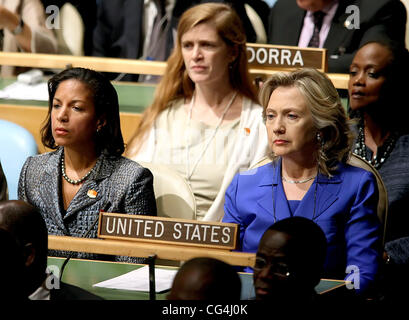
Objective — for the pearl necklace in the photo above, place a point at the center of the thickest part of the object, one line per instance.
(297, 181)
(69, 180)
(380, 157)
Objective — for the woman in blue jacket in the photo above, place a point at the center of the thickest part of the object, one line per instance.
(310, 140)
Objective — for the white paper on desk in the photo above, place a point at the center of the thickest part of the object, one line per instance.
(23, 91)
(138, 280)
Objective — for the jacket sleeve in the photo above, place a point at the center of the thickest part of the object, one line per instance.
(21, 191)
(231, 212)
(363, 236)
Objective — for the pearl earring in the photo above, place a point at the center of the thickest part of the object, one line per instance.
(320, 139)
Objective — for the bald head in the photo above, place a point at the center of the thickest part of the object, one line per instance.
(206, 279)
(290, 259)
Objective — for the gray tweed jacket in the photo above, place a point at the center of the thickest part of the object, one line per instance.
(122, 186)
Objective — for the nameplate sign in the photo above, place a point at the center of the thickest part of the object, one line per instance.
(167, 230)
(264, 56)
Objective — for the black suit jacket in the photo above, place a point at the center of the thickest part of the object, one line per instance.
(379, 19)
(118, 31)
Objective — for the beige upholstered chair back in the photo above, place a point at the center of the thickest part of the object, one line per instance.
(174, 197)
(257, 24)
(70, 35)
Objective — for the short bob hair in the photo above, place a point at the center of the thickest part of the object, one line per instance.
(329, 116)
(109, 139)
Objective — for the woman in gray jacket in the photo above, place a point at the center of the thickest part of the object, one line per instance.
(86, 173)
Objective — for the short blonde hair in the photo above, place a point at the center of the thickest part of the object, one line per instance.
(329, 116)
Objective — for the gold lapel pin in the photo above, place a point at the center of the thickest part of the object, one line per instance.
(247, 131)
(92, 194)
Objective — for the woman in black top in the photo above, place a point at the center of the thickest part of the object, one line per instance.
(377, 96)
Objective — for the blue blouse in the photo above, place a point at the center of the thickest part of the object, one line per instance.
(293, 205)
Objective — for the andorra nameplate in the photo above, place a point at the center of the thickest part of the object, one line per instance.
(264, 56)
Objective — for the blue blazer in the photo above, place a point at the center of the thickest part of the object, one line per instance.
(345, 209)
